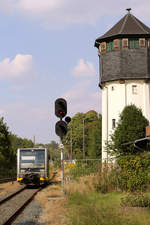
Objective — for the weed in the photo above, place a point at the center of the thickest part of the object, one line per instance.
(136, 200)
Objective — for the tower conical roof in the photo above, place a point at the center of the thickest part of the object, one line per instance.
(128, 26)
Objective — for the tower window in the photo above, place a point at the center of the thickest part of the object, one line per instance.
(125, 43)
(103, 47)
(99, 50)
(116, 44)
(113, 123)
(148, 43)
(136, 43)
(142, 42)
(133, 43)
(109, 46)
(112, 88)
(134, 89)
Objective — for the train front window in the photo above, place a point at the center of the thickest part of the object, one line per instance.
(32, 158)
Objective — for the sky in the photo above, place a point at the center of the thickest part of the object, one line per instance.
(47, 52)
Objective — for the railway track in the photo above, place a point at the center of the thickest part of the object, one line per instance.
(12, 206)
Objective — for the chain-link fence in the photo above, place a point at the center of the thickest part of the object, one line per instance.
(74, 169)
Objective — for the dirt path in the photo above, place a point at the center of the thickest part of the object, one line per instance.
(53, 203)
(6, 188)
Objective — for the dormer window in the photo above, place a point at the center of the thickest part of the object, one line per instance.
(142, 42)
(125, 43)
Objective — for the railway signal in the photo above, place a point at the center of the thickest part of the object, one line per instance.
(61, 111)
(60, 108)
(67, 119)
(61, 128)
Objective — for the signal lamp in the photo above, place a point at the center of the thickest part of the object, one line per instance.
(61, 128)
(60, 107)
(68, 119)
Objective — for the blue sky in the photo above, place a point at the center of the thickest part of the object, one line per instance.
(46, 52)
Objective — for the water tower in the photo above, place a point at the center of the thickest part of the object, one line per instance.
(124, 58)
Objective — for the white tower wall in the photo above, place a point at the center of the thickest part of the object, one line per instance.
(117, 95)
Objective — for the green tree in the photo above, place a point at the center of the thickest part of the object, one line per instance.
(88, 124)
(18, 142)
(53, 150)
(5, 142)
(133, 163)
(130, 127)
(95, 139)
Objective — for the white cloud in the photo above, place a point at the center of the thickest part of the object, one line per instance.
(19, 67)
(77, 91)
(54, 13)
(83, 96)
(86, 102)
(84, 69)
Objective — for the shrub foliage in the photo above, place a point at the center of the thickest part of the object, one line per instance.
(134, 163)
(130, 127)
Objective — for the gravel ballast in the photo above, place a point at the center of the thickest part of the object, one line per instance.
(30, 215)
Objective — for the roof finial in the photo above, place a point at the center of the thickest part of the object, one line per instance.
(128, 9)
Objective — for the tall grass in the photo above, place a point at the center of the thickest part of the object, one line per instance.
(100, 209)
(94, 200)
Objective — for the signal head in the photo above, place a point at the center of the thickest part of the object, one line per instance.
(61, 128)
(60, 107)
(67, 119)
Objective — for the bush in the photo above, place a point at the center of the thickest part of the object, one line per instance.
(130, 127)
(135, 200)
(134, 172)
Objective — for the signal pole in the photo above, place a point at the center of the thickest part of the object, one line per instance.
(83, 138)
(71, 143)
(61, 146)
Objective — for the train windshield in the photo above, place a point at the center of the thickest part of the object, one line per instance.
(31, 158)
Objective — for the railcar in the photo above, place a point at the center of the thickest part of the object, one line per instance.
(32, 166)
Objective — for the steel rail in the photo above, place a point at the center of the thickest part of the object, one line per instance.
(11, 195)
(14, 215)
